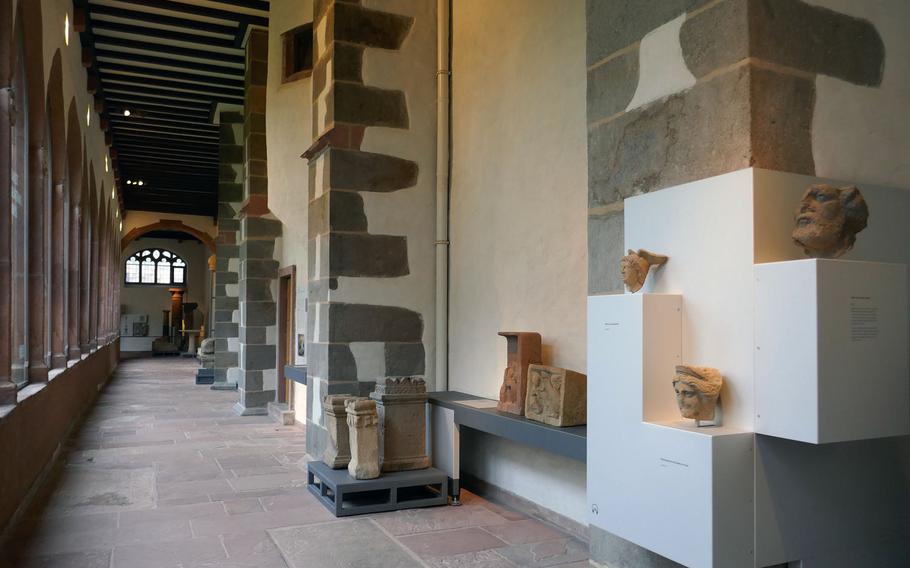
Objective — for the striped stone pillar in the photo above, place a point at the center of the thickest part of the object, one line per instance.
(370, 277)
(226, 302)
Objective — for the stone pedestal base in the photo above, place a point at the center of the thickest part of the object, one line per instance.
(337, 453)
(242, 410)
(363, 423)
(402, 408)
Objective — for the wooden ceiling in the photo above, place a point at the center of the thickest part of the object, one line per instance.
(169, 63)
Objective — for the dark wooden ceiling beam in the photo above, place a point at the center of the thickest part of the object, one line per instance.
(180, 86)
(130, 149)
(168, 93)
(103, 26)
(164, 20)
(143, 165)
(132, 70)
(260, 5)
(167, 62)
(172, 6)
(152, 139)
(120, 99)
(176, 158)
(182, 124)
(178, 207)
(175, 134)
(203, 54)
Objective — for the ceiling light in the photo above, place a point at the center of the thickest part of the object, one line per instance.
(88, 116)
(113, 192)
(121, 226)
(66, 29)
(107, 165)
(126, 112)
(141, 182)
(129, 182)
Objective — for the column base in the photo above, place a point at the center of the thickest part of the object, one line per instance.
(8, 392)
(241, 410)
(224, 386)
(38, 373)
(74, 353)
(58, 361)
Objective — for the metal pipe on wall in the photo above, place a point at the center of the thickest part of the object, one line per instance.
(443, 109)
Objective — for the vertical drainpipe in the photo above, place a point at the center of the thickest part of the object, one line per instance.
(443, 73)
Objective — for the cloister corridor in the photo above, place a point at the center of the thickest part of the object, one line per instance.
(162, 473)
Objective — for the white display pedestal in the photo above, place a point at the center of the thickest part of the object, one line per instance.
(653, 478)
(831, 361)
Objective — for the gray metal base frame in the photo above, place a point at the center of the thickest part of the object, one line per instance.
(344, 495)
(205, 376)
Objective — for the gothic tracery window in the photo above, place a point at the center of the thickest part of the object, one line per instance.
(155, 266)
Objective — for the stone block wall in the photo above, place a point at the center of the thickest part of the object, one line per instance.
(258, 375)
(371, 200)
(226, 307)
(681, 90)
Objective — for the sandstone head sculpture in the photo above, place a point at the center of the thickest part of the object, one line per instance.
(828, 219)
(636, 265)
(697, 390)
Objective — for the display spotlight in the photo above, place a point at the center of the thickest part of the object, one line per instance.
(127, 112)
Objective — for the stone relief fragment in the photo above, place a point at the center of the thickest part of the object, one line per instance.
(363, 425)
(401, 403)
(636, 265)
(697, 390)
(828, 219)
(556, 396)
(522, 349)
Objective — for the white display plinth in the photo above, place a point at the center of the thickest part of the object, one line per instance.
(831, 361)
(654, 478)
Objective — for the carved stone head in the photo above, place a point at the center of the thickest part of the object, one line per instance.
(636, 265)
(697, 389)
(828, 219)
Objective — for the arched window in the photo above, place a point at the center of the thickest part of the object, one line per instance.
(155, 266)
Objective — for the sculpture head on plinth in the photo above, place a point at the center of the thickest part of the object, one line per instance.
(636, 265)
(828, 219)
(697, 390)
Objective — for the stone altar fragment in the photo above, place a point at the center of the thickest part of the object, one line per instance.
(522, 349)
(363, 426)
(697, 390)
(338, 448)
(557, 397)
(401, 403)
(636, 265)
(828, 219)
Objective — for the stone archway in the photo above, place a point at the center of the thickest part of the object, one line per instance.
(168, 225)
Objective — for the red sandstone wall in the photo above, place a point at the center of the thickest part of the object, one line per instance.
(32, 432)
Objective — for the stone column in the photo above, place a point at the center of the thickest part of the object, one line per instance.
(7, 388)
(58, 298)
(85, 257)
(258, 377)
(370, 280)
(38, 276)
(402, 407)
(737, 88)
(363, 425)
(226, 303)
(75, 268)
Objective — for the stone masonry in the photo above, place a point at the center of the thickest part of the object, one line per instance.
(341, 246)
(747, 102)
(227, 269)
(258, 376)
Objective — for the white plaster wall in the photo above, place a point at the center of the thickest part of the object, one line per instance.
(152, 300)
(518, 216)
(860, 133)
(288, 135)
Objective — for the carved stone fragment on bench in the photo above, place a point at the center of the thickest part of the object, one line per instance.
(558, 397)
(522, 350)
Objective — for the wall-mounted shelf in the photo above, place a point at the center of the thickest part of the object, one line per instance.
(481, 414)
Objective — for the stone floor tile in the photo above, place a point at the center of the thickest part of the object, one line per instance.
(414, 521)
(174, 554)
(254, 548)
(482, 559)
(82, 559)
(453, 542)
(242, 506)
(343, 544)
(87, 490)
(526, 531)
(546, 554)
(172, 513)
(254, 482)
(238, 524)
(297, 500)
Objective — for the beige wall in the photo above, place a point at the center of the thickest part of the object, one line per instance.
(134, 219)
(518, 215)
(289, 133)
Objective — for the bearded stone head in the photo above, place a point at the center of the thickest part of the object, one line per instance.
(828, 219)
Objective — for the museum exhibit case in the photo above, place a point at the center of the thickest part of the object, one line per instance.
(813, 354)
